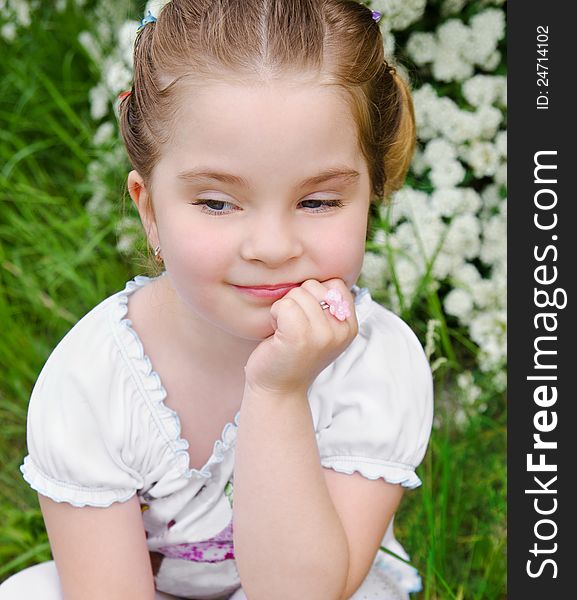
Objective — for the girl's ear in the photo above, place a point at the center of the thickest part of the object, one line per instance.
(141, 198)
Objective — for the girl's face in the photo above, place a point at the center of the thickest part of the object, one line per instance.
(261, 186)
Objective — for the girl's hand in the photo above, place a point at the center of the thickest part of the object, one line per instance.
(306, 339)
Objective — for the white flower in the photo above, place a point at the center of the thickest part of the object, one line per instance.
(380, 238)
(99, 100)
(103, 134)
(430, 236)
(501, 144)
(479, 48)
(488, 330)
(447, 201)
(467, 276)
(491, 197)
(453, 201)
(500, 381)
(459, 126)
(501, 174)
(441, 112)
(406, 202)
(104, 32)
(504, 95)
(459, 303)
(8, 31)
(483, 89)
(392, 212)
(88, 41)
(439, 150)
(431, 337)
(486, 29)
(399, 14)
(425, 102)
(98, 205)
(155, 6)
(492, 61)
(126, 39)
(127, 242)
(494, 248)
(486, 295)
(408, 276)
(489, 119)
(422, 47)
(447, 174)
(118, 77)
(453, 35)
(463, 237)
(450, 66)
(452, 6)
(418, 162)
(374, 269)
(21, 10)
(482, 157)
(471, 201)
(467, 385)
(490, 23)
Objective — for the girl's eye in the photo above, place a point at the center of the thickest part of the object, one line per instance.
(321, 205)
(214, 207)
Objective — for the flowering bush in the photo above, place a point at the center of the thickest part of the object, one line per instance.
(444, 234)
(437, 251)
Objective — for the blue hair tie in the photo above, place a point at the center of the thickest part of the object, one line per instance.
(150, 18)
(377, 15)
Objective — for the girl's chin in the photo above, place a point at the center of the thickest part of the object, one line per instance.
(256, 334)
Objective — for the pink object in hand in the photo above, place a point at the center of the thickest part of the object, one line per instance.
(337, 306)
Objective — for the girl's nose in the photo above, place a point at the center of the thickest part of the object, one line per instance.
(272, 240)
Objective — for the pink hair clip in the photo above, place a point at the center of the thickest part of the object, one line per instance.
(123, 95)
(377, 15)
(338, 307)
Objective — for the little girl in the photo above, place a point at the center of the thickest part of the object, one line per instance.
(244, 424)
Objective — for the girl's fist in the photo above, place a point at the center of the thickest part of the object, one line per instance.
(306, 338)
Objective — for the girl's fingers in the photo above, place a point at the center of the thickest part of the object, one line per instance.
(288, 317)
(318, 324)
(323, 321)
(322, 291)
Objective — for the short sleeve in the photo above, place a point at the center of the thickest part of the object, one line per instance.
(77, 422)
(374, 404)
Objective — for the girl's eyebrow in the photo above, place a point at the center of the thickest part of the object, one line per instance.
(339, 172)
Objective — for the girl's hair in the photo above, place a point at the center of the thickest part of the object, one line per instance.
(336, 42)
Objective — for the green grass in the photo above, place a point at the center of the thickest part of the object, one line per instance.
(55, 265)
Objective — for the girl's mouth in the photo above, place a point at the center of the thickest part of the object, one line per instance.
(267, 291)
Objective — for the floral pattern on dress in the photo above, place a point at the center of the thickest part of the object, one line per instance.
(213, 550)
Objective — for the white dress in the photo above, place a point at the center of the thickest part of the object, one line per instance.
(99, 432)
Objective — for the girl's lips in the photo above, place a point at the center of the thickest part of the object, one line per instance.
(274, 292)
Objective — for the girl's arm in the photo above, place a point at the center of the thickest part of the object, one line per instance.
(99, 552)
(288, 538)
(300, 532)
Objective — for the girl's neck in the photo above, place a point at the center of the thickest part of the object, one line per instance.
(208, 346)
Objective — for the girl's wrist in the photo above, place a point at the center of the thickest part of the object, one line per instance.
(252, 390)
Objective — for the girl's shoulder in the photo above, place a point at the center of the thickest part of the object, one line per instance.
(97, 369)
(92, 413)
(384, 338)
(98, 342)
